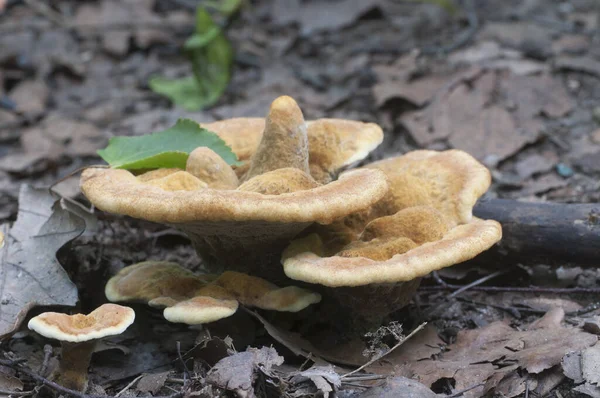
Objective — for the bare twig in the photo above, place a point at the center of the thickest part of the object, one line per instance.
(18, 365)
(476, 283)
(461, 392)
(377, 358)
(47, 355)
(515, 289)
(128, 386)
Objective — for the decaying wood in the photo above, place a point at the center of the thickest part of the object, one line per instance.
(551, 233)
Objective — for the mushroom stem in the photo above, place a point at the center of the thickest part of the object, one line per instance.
(284, 142)
(74, 363)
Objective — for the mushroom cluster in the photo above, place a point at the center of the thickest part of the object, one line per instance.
(196, 299)
(366, 236)
(242, 221)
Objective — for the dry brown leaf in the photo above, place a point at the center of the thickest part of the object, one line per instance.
(487, 354)
(238, 372)
(489, 114)
(399, 387)
(30, 96)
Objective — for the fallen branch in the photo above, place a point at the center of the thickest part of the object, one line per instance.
(551, 233)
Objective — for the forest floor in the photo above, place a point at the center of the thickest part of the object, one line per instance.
(514, 83)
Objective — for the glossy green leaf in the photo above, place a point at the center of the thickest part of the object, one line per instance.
(164, 149)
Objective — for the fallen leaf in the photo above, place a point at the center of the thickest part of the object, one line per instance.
(579, 64)
(536, 163)
(589, 163)
(543, 184)
(399, 387)
(590, 365)
(30, 274)
(30, 96)
(571, 44)
(315, 381)
(479, 354)
(529, 37)
(489, 114)
(152, 382)
(238, 372)
(320, 16)
(571, 365)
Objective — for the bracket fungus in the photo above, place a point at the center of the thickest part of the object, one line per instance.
(78, 335)
(196, 299)
(286, 185)
(374, 260)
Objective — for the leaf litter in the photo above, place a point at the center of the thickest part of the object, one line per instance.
(30, 274)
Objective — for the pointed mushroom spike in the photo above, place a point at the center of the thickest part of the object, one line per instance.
(199, 310)
(284, 142)
(210, 168)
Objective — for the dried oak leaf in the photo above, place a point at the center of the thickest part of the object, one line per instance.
(238, 372)
(30, 274)
(316, 381)
(479, 354)
(490, 114)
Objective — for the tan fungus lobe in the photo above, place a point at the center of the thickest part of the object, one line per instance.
(178, 181)
(199, 310)
(450, 181)
(150, 280)
(284, 141)
(459, 244)
(206, 297)
(106, 320)
(277, 182)
(207, 166)
(156, 174)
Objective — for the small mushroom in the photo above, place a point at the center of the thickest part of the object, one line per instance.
(78, 335)
(246, 228)
(374, 260)
(194, 299)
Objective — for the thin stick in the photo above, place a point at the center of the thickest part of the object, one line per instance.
(475, 283)
(461, 392)
(505, 289)
(16, 364)
(372, 361)
(128, 386)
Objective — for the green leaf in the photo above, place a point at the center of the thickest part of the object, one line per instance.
(211, 55)
(185, 92)
(168, 148)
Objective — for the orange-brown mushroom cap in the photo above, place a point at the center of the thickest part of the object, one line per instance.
(199, 310)
(106, 320)
(451, 181)
(120, 192)
(461, 243)
(150, 280)
(194, 299)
